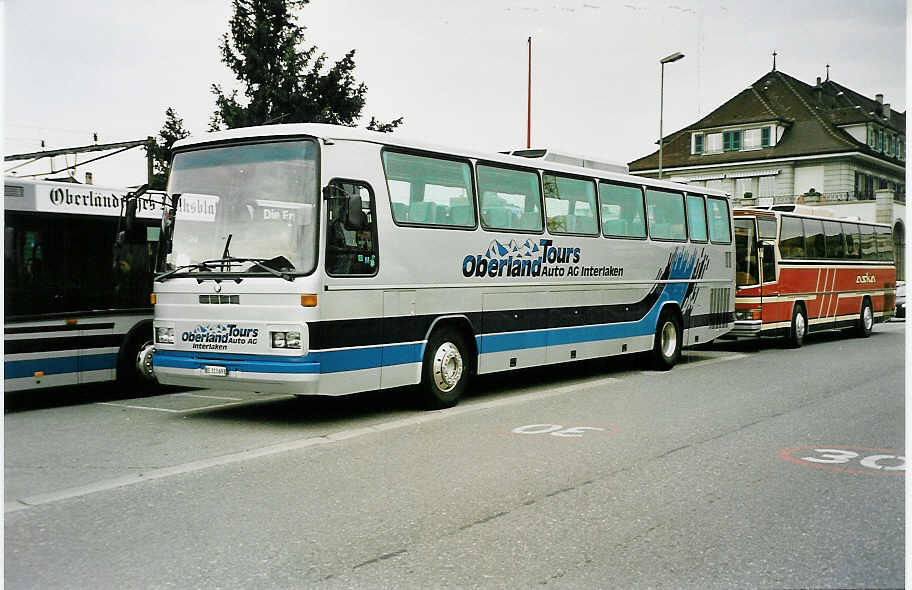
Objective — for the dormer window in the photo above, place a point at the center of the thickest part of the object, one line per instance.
(731, 141)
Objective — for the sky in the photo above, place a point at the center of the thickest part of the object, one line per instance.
(456, 71)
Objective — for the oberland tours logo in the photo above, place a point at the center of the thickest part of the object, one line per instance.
(219, 337)
(531, 258)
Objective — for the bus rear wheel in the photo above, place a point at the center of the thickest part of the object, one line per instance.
(446, 369)
(666, 350)
(798, 329)
(865, 320)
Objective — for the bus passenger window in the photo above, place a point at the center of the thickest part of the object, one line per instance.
(791, 240)
(835, 246)
(719, 221)
(853, 249)
(351, 249)
(623, 215)
(884, 243)
(816, 245)
(429, 191)
(510, 199)
(868, 245)
(570, 205)
(696, 218)
(666, 215)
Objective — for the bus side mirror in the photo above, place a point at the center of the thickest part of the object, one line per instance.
(130, 214)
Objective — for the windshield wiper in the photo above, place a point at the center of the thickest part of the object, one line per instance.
(187, 267)
(264, 263)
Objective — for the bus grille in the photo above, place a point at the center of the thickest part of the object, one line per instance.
(719, 313)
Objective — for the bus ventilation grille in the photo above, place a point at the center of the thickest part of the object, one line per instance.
(719, 312)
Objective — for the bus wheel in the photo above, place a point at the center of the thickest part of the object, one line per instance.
(798, 329)
(135, 369)
(446, 369)
(865, 320)
(668, 341)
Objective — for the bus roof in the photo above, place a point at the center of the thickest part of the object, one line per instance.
(799, 211)
(341, 133)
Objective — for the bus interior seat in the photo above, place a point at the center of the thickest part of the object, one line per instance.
(496, 217)
(422, 212)
(462, 215)
(530, 220)
(400, 212)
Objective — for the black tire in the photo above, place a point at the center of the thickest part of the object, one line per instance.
(669, 338)
(137, 351)
(865, 320)
(798, 329)
(447, 369)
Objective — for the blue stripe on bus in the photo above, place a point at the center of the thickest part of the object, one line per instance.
(334, 361)
(59, 365)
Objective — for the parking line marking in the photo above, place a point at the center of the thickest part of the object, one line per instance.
(132, 407)
(292, 445)
(703, 363)
(234, 399)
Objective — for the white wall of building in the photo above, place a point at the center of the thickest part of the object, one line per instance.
(807, 178)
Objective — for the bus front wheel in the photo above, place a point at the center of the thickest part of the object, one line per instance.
(666, 351)
(446, 369)
(798, 329)
(865, 320)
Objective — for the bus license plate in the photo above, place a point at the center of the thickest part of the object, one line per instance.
(216, 370)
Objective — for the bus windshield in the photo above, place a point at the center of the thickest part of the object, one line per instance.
(746, 272)
(253, 201)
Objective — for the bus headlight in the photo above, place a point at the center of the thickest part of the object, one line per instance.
(164, 335)
(285, 339)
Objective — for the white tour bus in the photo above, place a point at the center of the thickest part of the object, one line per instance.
(319, 259)
(76, 309)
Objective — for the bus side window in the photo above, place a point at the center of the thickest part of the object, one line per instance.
(351, 249)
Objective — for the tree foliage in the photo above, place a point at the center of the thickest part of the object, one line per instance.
(171, 131)
(283, 80)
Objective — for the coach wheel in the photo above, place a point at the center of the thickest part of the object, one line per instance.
(666, 349)
(865, 320)
(798, 329)
(446, 369)
(135, 369)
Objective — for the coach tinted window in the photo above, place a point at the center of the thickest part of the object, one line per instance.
(719, 221)
(868, 245)
(570, 205)
(623, 214)
(884, 243)
(510, 199)
(696, 218)
(429, 191)
(853, 248)
(835, 246)
(791, 238)
(665, 211)
(816, 242)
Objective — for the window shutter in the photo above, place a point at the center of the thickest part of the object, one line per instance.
(736, 140)
(765, 136)
(698, 143)
(726, 141)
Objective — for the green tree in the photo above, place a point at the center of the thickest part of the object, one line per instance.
(160, 150)
(284, 82)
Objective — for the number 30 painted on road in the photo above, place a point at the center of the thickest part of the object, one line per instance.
(836, 456)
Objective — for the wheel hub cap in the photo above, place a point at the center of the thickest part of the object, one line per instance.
(144, 360)
(868, 318)
(447, 366)
(669, 339)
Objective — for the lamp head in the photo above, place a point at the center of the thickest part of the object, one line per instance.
(673, 57)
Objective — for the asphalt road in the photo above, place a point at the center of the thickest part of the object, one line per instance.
(740, 468)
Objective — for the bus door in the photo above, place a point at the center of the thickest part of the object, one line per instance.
(352, 256)
(766, 237)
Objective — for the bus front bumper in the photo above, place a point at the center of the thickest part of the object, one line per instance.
(746, 329)
(291, 375)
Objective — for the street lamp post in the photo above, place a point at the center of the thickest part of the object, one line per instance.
(665, 60)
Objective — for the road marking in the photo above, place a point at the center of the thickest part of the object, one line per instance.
(292, 445)
(233, 399)
(138, 407)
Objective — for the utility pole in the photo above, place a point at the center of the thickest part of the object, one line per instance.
(529, 101)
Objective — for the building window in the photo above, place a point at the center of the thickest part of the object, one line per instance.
(752, 139)
(731, 141)
(902, 149)
(698, 143)
(765, 133)
(713, 143)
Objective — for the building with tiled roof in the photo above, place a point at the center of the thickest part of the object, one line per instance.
(783, 141)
